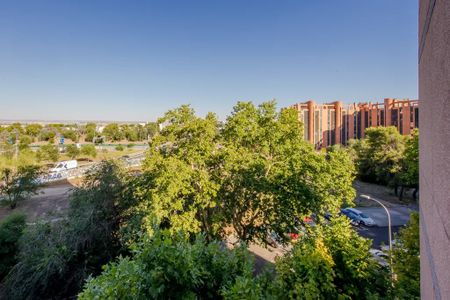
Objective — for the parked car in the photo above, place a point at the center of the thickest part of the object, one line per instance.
(354, 220)
(380, 257)
(358, 216)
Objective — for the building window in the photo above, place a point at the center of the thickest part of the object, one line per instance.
(394, 117)
(358, 125)
(381, 117)
(400, 127)
(333, 126)
(317, 128)
(306, 124)
(416, 117)
(366, 119)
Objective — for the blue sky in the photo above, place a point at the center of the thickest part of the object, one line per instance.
(134, 60)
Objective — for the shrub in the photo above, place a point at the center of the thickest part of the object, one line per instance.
(56, 258)
(11, 229)
(168, 267)
(119, 148)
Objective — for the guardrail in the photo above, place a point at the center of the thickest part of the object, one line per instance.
(129, 162)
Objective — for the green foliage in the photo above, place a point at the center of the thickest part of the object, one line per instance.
(120, 148)
(357, 275)
(409, 175)
(329, 262)
(56, 258)
(306, 272)
(180, 189)
(89, 151)
(11, 229)
(379, 154)
(48, 152)
(24, 142)
(406, 261)
(70, 134)
(47, 135)
(90, 131)
(271, 175)
(151, 129)
(18, 185)
(33, 129)
(72, 151)
(170, 267)
(257, 174)
(112, 132)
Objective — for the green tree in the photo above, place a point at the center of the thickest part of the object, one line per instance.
(90, 132)
(406, 261)
(19, 184)
(89, 151)
(151, 129)
(25, 141)
(56, 258)
(33, 130)
(48, 152)
(112, 132)
(71, 135)
(180, 189)
(72, 151)
(47, 135)
(379, 154)
(307, 272)
(170, 267)
(409, 173)
(11, 229)
(271, 176)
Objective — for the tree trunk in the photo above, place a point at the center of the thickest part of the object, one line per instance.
(396, 190)
(415, 193)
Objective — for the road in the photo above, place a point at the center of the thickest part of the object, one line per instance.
(379, 234)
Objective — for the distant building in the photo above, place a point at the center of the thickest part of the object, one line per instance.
(335, 123)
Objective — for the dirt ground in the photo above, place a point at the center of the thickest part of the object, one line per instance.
(50, 203)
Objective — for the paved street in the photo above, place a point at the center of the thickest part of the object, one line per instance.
(379, 234)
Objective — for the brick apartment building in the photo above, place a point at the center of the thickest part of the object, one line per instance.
(335, 123)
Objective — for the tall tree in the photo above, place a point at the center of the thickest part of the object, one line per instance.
(48, 152)
(180, 189)
(406, 257)
(112, 132)
(18, 185)
(272, 177)
(379, 154)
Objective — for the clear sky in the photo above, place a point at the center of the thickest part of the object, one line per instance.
(133, 60)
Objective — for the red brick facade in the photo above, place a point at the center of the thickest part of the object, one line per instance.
(335, 123)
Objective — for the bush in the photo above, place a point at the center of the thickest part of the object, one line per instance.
(119, 148)
(11, 229)
(48, 152)
(56, 258)
(89, 150)
(167, 267)
(72, 151)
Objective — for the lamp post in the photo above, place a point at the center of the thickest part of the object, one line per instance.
(389, 228)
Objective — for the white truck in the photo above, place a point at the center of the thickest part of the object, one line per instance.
(64, 166)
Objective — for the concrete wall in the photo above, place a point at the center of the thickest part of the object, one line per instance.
(434, 96)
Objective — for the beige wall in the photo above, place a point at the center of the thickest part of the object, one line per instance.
(434, 96)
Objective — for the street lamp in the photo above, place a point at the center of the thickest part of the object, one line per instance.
(389, 227)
